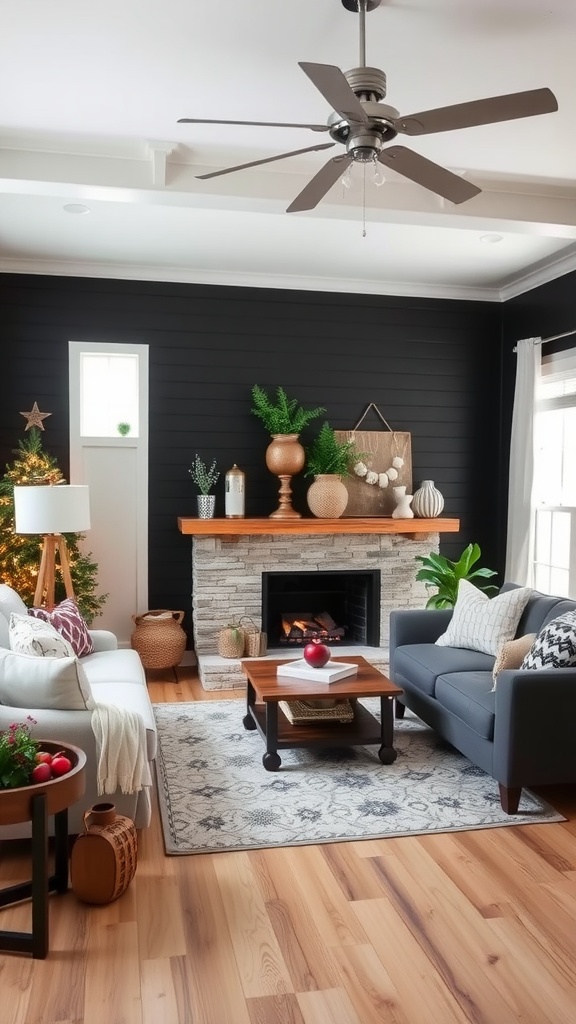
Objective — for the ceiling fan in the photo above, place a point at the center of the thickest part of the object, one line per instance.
(365, 125)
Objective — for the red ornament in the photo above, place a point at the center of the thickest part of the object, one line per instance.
(316, 654)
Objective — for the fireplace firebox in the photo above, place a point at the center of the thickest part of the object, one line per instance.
(337, 607)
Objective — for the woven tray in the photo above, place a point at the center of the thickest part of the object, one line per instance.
(299, 712)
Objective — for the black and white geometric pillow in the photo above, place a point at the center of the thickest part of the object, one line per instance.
(555, 645)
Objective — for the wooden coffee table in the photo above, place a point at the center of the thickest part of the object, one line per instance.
(265, 690)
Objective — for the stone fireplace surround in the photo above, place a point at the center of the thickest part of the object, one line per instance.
(229, 557)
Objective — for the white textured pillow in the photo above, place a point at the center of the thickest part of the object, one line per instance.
(27, 681)
(32, 636)
(512, 654)
(482, 623)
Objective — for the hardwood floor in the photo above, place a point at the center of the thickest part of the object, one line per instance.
(463, 928)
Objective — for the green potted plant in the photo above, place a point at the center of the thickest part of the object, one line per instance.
(205, 478)
(328, 460)
(440, 572)
(285, 456)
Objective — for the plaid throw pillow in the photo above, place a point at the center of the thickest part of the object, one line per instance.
(66, 618)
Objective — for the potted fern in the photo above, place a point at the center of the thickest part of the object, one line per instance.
(328, 460)
(284, 419)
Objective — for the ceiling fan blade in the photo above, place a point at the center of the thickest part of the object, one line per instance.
(330, 81)
(488, 111)
(267, 160)
(264, 124)
(430, 175)
(319, 185)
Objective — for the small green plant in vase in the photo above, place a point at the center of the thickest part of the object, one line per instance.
(440, 572)
(328, 460)
(203, 476)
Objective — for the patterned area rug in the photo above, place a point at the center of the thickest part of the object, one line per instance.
(215, 795)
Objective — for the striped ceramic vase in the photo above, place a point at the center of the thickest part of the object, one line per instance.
(428, 502)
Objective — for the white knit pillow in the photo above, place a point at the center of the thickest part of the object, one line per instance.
(32, 636)
(482, 623)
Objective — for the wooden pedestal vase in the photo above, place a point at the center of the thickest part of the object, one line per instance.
(285, 457)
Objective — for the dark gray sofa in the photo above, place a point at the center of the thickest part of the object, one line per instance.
(522, 734)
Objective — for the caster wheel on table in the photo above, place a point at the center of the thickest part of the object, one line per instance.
(387, 755)
(271, 762)
(248, 722)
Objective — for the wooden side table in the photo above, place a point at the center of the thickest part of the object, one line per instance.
(35, 804)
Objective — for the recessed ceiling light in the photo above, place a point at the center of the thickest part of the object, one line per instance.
(76, 208)
(491, 237)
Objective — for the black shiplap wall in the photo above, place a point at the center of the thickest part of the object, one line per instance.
(433, 367)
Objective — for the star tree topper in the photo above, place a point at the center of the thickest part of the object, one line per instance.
(35, 417)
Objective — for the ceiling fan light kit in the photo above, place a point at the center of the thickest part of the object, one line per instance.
(365, 126)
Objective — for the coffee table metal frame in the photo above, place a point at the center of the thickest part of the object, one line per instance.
(278, 733)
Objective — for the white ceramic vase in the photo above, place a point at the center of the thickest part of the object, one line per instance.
(428, 502)
(403, 500)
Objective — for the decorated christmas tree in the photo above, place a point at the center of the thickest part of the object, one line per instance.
(20, 553)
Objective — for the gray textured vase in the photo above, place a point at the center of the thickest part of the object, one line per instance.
(206, 505)
(428, 502)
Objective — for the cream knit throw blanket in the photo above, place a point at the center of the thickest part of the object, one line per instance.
(120, 748)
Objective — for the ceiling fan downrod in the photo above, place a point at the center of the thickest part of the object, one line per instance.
(360, 7)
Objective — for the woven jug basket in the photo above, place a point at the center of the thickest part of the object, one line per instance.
(159, 638)
(104, 856)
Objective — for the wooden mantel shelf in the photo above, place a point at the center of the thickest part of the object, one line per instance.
(278, 527)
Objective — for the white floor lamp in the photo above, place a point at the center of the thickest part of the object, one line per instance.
(52, 510)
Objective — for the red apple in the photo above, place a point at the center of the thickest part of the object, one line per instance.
(316, 654)
(60, 764)
(43, 757)
(41, 773)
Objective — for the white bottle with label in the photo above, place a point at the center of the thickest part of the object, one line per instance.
(234, 493)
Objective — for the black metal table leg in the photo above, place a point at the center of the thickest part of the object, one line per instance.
(271, 760)
(248, 720)
(387, 754)
(39, 944)
(59, 880)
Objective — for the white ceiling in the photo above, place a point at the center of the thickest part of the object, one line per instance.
(91, 95)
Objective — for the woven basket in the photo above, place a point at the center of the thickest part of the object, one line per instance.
(299, 712)
(159, 638)
(255, 641)
(231, 641)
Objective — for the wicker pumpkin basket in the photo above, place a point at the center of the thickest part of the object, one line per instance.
(159, 638)
(231, 641)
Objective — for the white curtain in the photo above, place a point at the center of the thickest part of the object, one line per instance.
(520, 535)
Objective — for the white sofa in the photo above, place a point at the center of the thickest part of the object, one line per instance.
(115, 676)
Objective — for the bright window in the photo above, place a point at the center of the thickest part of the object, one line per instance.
(554, 492)
(108, 395)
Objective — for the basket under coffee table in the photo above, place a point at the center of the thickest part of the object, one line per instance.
(265, 691)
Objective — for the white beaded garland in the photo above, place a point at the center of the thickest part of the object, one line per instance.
(382, 479)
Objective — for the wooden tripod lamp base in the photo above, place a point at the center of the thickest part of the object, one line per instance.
(53, 543)
(50, 511)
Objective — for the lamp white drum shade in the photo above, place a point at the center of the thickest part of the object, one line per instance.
(58, 508)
